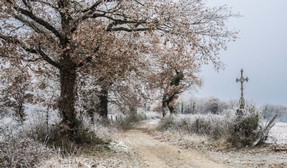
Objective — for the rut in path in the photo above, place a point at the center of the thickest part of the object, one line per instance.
(157, 154)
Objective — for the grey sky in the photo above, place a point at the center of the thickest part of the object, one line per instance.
(261, 51)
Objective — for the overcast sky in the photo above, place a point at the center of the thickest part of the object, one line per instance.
(261, 51)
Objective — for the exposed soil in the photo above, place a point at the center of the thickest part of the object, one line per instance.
(158, 154)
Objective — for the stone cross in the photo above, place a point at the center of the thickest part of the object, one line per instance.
(242, 80)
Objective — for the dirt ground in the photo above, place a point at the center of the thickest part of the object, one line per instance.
(158, 154)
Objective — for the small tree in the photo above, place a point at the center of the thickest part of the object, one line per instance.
(245, 127)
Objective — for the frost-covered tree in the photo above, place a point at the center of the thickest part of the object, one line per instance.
(71, 34)
(177, 59)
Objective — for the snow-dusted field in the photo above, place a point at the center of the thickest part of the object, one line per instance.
(278, 133)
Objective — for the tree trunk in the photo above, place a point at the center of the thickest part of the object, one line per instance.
(164, 105)
(103, 105)
(68, 76)
(171, 95)
(171, 108)
(167, 103)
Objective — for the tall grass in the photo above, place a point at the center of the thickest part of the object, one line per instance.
(237, 131)
(25, 145)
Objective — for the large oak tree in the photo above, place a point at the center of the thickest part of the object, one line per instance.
(58, 32)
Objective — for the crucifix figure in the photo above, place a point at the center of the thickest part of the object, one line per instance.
(242, 80)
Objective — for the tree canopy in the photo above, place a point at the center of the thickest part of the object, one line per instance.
(163, 42)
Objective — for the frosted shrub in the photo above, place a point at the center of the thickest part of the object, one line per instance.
(244, 128)
(210, 124)
(22, 152)
(167, 123)
(239, 130)
(128, 120)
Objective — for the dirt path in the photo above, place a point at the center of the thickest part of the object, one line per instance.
(156, 154)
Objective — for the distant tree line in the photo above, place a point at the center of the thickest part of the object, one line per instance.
(214, 105)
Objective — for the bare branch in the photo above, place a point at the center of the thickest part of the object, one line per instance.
(40, 21)
(15, 41)
(27, 4)
(24, 59)
(47, 58)
(127, 29)
(33, 26)
(93, 7)
(48, 4)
